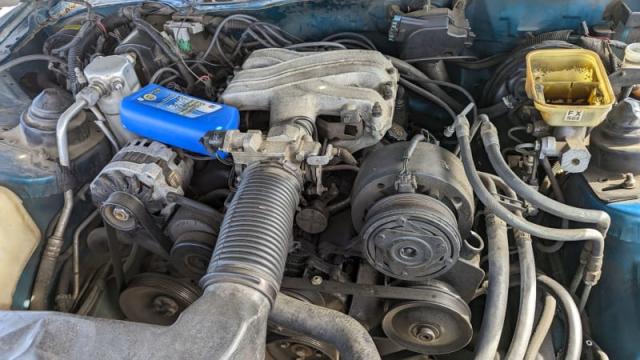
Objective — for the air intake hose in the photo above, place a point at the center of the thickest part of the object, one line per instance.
(256, 231)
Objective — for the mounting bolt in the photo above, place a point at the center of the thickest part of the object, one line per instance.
(588, 343)
(300, 156)
(120, 214)
(387, 91)
(426, 333)
(316, 280)
(629, 181)
(449, 131)
(165, 306)
(376, 110)
(117, 85)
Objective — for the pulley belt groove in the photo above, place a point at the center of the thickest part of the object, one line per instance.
(158, 244)
(377, 291)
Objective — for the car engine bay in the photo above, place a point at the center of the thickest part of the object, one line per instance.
(238, 181)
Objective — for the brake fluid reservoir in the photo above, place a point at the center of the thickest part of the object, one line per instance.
(176, 119)
(569, 87)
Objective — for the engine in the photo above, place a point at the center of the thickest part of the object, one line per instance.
(240, 188)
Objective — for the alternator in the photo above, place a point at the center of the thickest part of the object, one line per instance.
(147, 170)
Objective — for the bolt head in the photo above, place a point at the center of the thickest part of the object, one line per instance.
(387, 91)
(120, 214)
(629, 181)
(376, 110)
(165, 306)
(117, 85)
(426, 333)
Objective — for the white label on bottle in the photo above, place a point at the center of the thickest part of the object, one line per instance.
(574, 115)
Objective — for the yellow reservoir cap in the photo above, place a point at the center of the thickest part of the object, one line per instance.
(569, 87)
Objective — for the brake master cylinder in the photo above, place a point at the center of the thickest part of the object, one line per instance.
(571, 91)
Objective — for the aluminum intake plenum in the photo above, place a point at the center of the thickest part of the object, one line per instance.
(357, 86)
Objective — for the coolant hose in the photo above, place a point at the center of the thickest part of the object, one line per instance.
(574, 322)
(542, 329)
(46, 269)
(493, 205)
(527, 309)
(495, 309)
(349, 337)
(256, 232)
(491, 141)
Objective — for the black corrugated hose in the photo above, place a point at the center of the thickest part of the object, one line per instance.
(256, 231)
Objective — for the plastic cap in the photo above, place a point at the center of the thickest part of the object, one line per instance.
(632, 53)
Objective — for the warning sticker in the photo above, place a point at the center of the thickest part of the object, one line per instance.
(176, 103)
(573, 115)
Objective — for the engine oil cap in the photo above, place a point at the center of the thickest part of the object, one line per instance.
(167, 116)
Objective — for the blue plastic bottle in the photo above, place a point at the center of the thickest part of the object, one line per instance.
(160, 114)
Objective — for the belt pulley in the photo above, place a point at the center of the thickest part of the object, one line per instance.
(126, 212)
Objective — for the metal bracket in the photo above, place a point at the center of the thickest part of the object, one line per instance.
(624, 78)
(512, 204)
